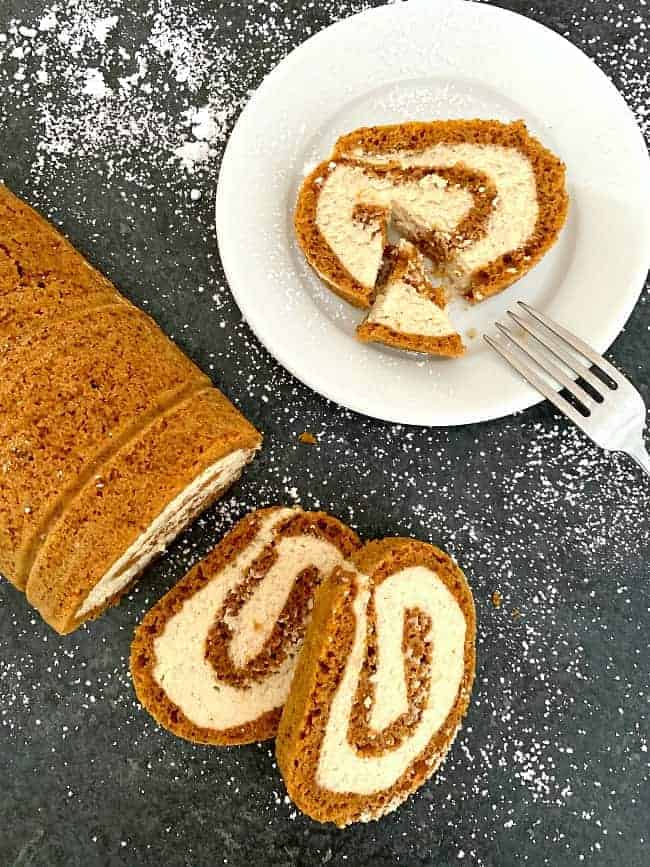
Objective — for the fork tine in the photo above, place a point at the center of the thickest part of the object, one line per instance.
(577, 344)
(549, 367)
(537, 382)
(556, 347)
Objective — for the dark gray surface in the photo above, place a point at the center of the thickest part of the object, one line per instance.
(552, 765)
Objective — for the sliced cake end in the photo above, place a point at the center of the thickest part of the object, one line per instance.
(213, 660)
(140, 499)
(382, 683)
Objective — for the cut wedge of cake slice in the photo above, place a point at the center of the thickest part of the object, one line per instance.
(214, 659)
(382, 683)
(408, 311)
(529, 207)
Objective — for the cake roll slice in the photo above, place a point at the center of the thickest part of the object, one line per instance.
(99, 540)
(213, 660)
(382, 683)
(528, 209)
(408, 311)
(345, 205)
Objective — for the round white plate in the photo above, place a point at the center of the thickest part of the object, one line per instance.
(421, 61)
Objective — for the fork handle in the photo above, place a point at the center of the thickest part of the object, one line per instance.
(640, 454)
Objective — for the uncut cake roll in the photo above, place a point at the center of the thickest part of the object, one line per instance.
(382, 683)
(212, 661)
(111, 439)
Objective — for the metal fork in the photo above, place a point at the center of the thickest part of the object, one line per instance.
(599, 399)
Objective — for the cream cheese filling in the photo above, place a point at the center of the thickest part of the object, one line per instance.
(431, 203)
(254, 623)
(169, 523)
(181, 668)
(514, 214)
(340, 767)
(401, 307)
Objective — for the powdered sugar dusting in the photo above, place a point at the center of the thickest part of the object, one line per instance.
(551, 765)
(116, 93)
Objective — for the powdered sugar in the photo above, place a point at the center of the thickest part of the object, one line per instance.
(551, 765)
(113, 100)
(95, 84)
(102, 28)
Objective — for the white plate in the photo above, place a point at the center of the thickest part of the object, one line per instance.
(424, 60)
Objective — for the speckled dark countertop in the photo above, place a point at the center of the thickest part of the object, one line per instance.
(104, 127)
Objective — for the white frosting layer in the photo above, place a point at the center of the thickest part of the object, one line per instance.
(340, 767)
(181, 668)
(169, 523)
(254, 623)
(428, 204)
(514, 214)
(401, 307)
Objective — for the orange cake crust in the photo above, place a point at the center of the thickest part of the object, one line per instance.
(42, 277)
(450, 346)
(320, 672)
(285, 637)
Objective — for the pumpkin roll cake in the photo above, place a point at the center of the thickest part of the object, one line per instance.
(111, 439)
(345, 206)
(213, 660)
(481, 199)
(382, 683)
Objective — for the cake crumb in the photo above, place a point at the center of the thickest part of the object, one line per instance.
(472, 333)
(308, 438)
(496, 599)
